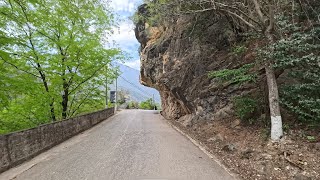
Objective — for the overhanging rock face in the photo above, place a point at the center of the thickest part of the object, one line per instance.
(176, 57)
(18, 147)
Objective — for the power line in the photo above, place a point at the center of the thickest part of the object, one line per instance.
(135, 86)
(140, 94)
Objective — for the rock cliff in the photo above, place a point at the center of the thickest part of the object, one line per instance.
(176, 57)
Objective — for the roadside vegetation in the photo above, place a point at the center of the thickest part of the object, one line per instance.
(53, 60)
(146, 105)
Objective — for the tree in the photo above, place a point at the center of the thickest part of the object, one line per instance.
(148, 104)
(56, 57)
(296, 51)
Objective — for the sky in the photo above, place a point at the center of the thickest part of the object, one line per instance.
(125, 37)
(124, 34)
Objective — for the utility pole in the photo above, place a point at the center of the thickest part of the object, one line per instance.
(154, 104)
(115, 105)
(106, 91)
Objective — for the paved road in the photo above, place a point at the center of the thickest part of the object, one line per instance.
(133, 145)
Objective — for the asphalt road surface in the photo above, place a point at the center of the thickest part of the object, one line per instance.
(132, 145)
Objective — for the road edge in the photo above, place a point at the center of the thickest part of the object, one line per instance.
(204, 149)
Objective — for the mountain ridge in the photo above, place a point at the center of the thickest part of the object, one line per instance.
(129, 80)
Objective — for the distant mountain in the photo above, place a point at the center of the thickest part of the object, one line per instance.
(129, 81)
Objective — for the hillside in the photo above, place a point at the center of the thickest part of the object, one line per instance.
(129, 81)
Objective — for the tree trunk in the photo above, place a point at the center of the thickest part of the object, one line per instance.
(53, 116)
(276, 120)
(52, 111)
(274, 104)
(65, 86)
(45, 84)
(65, 100)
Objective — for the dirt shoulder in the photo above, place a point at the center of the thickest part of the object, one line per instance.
(246, 150)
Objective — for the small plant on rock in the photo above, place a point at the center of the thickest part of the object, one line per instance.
(239, 50)
(236, 76)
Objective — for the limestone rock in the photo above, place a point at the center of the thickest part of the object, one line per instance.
(229, 147)
(301, 177)
(235, 123)
(176, 57)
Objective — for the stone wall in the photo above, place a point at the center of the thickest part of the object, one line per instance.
(18, 147)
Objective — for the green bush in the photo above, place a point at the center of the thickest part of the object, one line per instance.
(136, 18)
(236, 76)
(239, 50)
(246, 108)
(147, 105)
(133, 105)
(157, 12)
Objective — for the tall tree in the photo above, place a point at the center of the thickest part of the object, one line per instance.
(57, 54)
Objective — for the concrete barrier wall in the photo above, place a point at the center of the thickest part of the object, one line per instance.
(18, 147)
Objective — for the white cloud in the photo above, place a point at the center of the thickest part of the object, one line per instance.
(124, 5)
(124, 36)
(133, 64)
(124, 33)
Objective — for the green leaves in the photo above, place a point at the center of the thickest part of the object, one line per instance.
(155, 12)
(298, 52)
(148, 104)
(246, 107)
(53, 59)
(236, 76)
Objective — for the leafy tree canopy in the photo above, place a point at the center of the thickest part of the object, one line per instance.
(53, 59)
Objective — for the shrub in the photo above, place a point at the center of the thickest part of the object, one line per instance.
(246, 107)
(239, 50)
(133, 105)
(147, 105)
(236, 76)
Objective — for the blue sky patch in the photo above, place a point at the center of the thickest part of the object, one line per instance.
(124, 34)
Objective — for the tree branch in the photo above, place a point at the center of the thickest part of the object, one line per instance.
(15, 66)
(259, 12)
(232, 10)
(87, 79)
(242, 19)
(81, 103)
